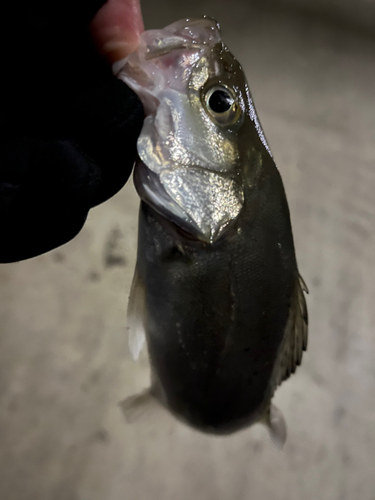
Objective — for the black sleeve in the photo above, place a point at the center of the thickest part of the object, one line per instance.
(68, 127)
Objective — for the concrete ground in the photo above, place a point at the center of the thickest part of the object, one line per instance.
(64, 363)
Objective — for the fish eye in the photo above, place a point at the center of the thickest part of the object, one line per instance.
(221, 104)
(220, 101)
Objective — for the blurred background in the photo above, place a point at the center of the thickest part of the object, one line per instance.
(64, 363)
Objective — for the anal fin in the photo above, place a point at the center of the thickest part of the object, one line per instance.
(275, 422)
(138, 406)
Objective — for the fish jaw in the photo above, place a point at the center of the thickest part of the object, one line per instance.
(186, 198)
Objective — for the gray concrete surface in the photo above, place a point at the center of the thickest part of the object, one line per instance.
(64, 363)
(359, 14)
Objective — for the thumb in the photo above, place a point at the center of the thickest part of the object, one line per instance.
(116, 28)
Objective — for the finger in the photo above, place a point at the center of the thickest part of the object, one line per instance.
(116, 28)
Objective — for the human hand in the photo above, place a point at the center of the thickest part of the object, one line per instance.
(68, 127)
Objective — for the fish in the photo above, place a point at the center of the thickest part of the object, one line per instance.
(216, 295)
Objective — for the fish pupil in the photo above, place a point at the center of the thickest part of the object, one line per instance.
(220, 101)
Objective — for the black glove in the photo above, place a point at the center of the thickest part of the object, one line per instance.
(68, 127)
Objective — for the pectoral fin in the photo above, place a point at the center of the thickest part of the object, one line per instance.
(296, 334)
(136, 316)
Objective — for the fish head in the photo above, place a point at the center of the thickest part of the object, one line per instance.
(192, 147)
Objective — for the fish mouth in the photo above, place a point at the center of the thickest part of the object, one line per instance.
(198, 223)
(181, 36)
